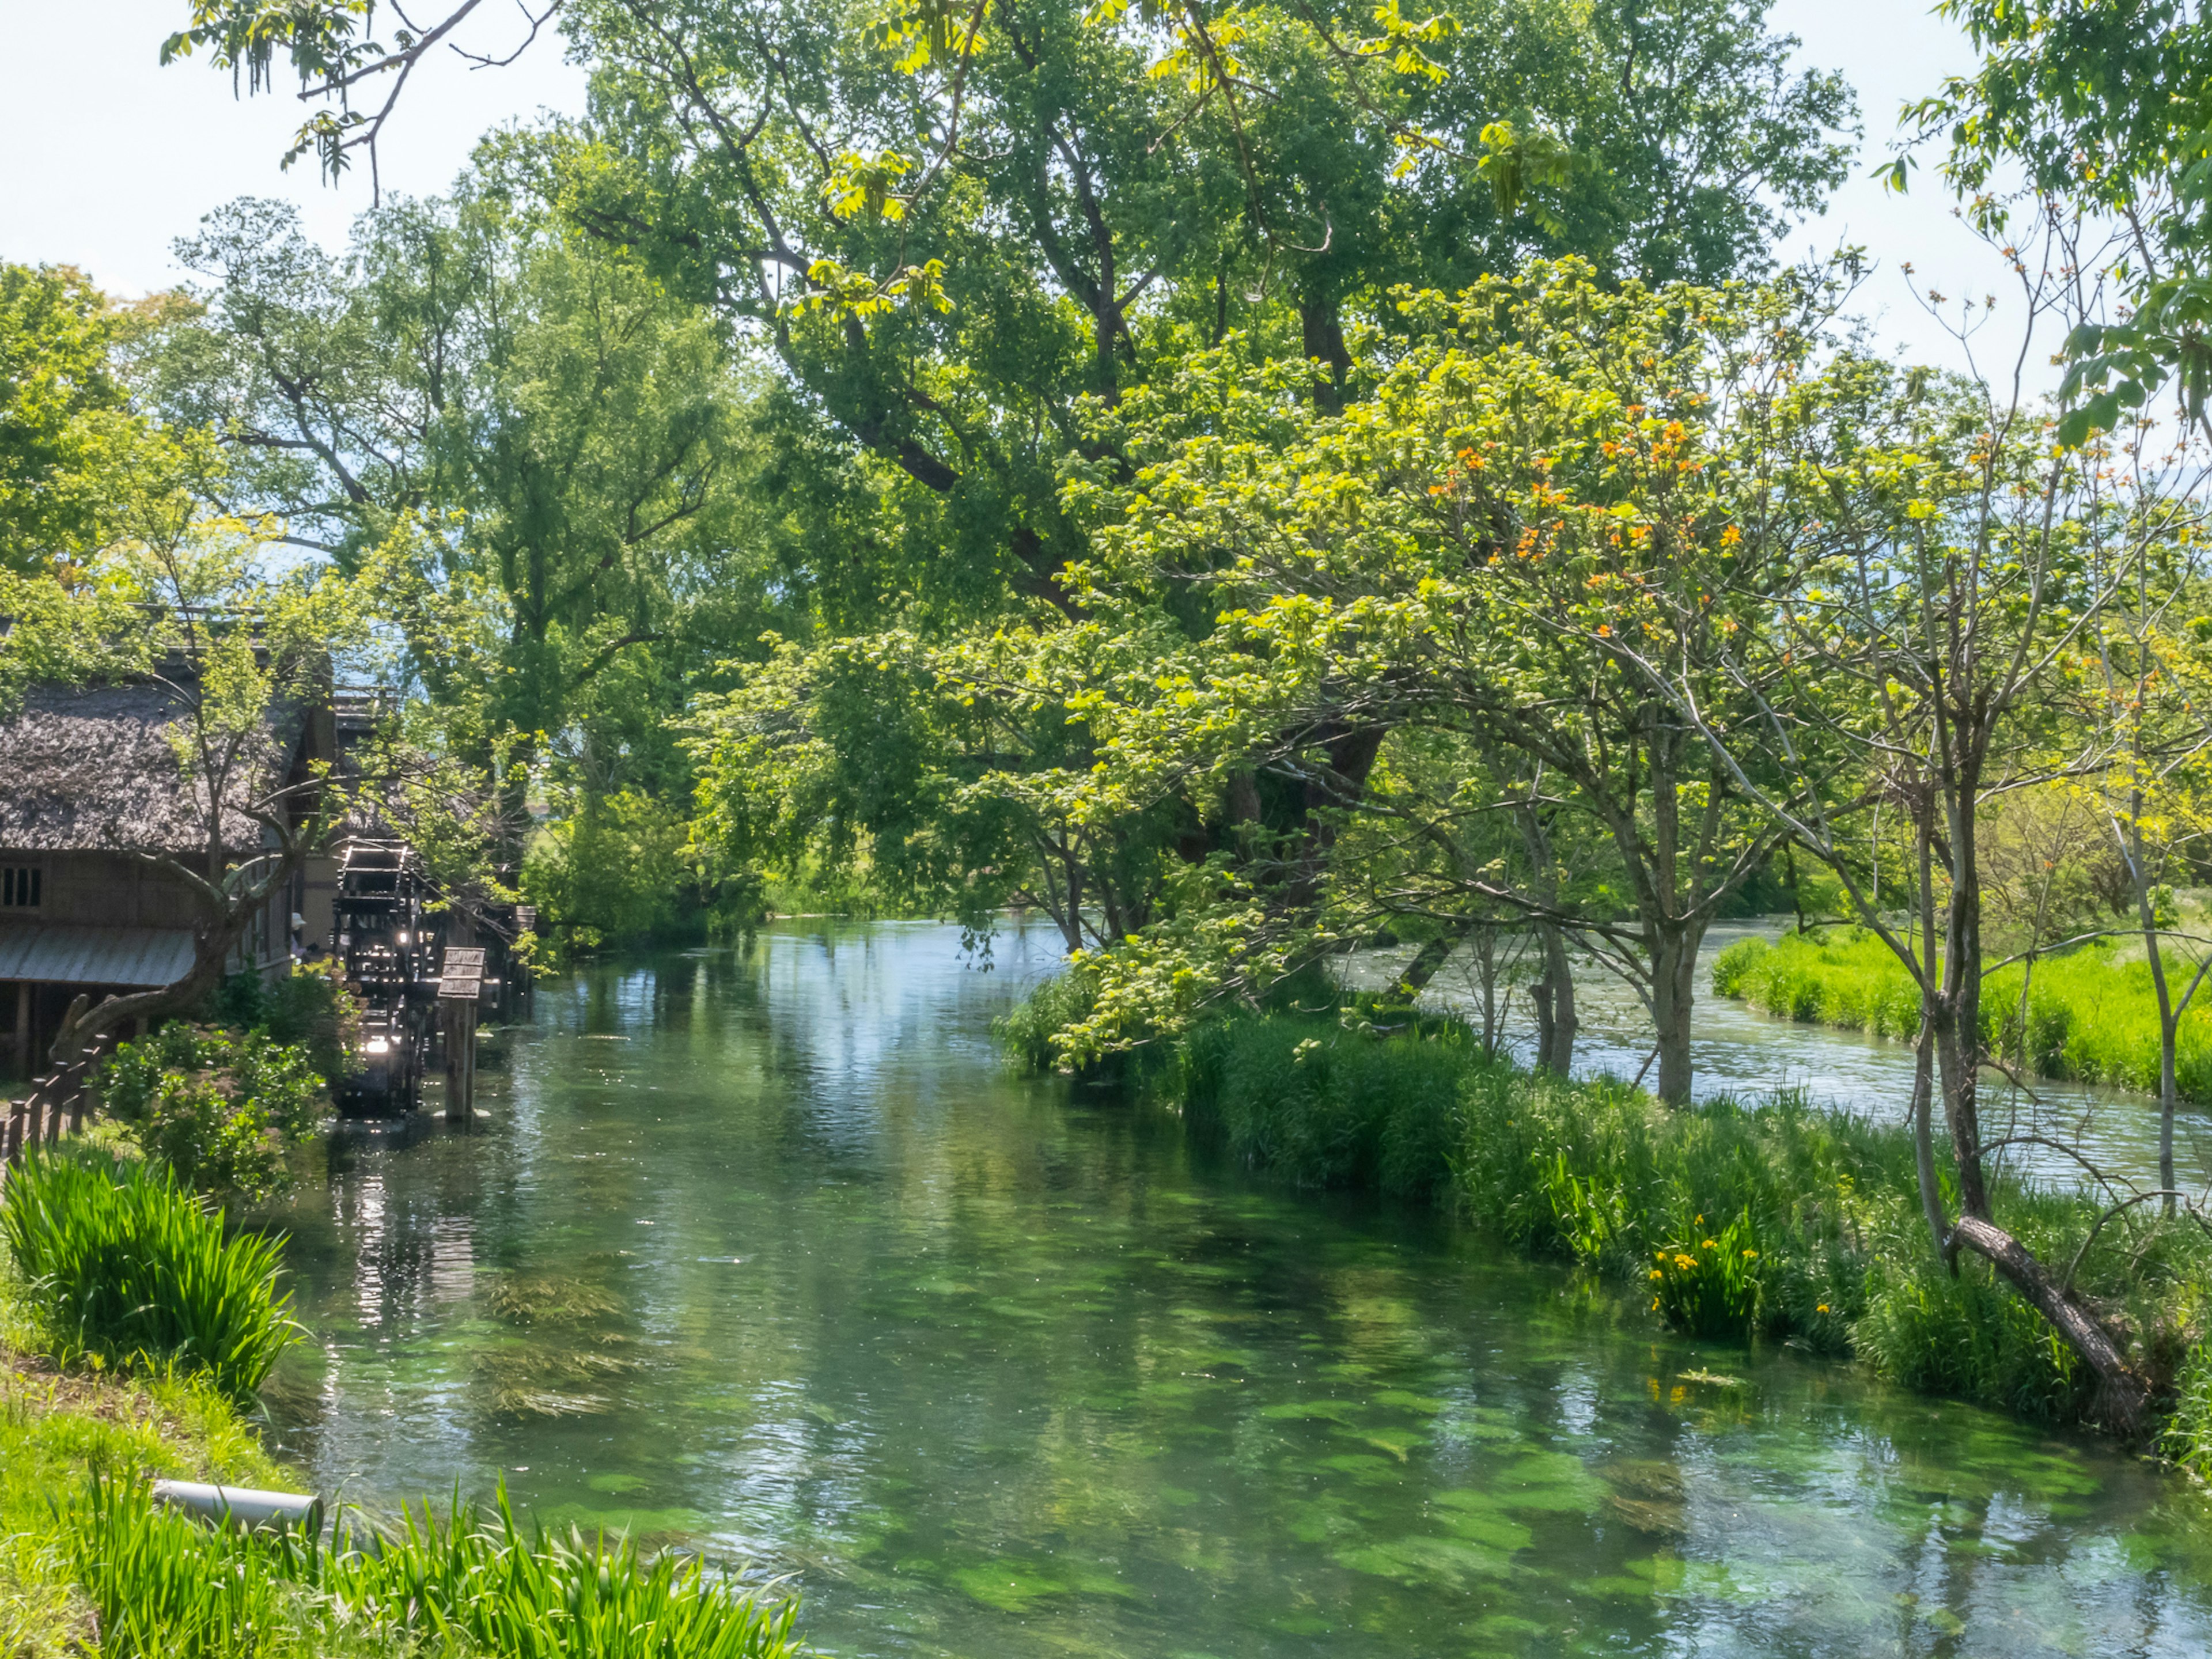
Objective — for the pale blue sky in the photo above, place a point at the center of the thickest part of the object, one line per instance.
(109, 158)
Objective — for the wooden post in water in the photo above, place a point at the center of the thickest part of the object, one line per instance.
(460, 978)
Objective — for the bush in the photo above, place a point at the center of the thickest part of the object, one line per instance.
(312, 1007)
(124, 1264)
(216, 1107)
(1329, 1105)
(1052, 1006)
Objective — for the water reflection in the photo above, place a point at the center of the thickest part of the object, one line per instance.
(771, 1253)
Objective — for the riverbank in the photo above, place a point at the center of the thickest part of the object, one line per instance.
(1774, 1221)
(94, 1410)
(59, 1428)
(2090, 1016)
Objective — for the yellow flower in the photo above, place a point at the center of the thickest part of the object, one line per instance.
(1748, 1254)
(1707, 1245)
(1686, 1262)
(1656, 1273)
(1823, 1308)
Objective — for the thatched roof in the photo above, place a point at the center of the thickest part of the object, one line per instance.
(87, 768)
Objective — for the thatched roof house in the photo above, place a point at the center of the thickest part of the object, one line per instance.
(93, 786)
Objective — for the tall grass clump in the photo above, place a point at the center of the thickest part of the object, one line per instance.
(2087, 1016)
(1732, 1219)
(542, 1595)
(165, 1587)
(121, 1262)
(2188, 1438)
(1329, 1105)
(1026, 1031)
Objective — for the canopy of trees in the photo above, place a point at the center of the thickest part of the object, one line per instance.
(1245, 482)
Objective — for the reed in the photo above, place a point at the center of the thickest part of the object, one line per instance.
(541, 1595)
(164, 1586)
(1327, 1105)
(119, 1262)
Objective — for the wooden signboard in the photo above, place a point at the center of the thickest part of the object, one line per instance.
(460, 980)
(461, 974)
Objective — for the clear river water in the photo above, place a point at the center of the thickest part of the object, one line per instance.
(766, 1253)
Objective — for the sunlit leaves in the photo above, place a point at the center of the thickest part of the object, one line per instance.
(868, 184)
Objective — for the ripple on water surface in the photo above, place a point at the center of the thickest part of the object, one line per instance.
(766, 1251)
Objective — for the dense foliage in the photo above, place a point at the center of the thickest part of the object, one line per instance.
(165, 1584)
(217, 1108)
(1732, 1218)
(1250, 481)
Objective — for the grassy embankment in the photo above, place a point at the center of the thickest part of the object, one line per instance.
(1774, 1220)
(132, 1335)
(2091, 1017)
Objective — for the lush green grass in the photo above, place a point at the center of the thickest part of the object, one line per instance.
(2090, 1017)
(121, 1264)
(57, 1429)
(164, 1586)
(1777, 1221)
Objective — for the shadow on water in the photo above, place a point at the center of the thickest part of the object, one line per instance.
(768, 1252)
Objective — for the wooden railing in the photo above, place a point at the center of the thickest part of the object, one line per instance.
(57, 1105)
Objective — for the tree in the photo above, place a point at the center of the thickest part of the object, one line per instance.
(537, 442)
(1938, 650)
(74, 452)
(2102, 109)
(955, 228)
(333, 47)
(2150, 795)
(1541, 493)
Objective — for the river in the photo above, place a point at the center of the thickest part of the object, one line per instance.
(767, 1252)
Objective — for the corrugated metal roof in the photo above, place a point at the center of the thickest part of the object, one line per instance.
(56, 954)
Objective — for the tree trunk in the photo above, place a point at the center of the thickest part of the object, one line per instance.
(1554, 997)
(1923, 1138)
(1674, 946)
(2123, 1398)
(1433, 955)
(1322, 335)
(2169, 1092)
